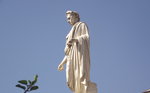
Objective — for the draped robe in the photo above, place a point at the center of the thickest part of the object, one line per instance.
(78, 60)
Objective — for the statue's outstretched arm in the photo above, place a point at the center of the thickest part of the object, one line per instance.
(61, 65)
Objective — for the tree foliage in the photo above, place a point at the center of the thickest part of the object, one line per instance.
(28, 85)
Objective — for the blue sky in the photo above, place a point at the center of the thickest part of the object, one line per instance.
(32, 40)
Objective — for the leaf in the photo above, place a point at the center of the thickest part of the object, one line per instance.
(35, 77)
(34, 88)
(29, 81)
(20, 86)
(23, 82)
(35, 80)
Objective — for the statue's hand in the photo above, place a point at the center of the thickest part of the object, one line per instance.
(73, 40)
(69, 44)
(61, 67)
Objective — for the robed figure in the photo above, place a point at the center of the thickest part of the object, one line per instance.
(77, 56)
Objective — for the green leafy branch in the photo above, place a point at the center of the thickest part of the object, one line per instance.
(28, 85)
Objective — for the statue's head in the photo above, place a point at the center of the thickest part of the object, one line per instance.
(72, 17)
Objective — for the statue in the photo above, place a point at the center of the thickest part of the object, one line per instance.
(77, 56)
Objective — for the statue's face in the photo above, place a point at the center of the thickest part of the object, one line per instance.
(71, 19)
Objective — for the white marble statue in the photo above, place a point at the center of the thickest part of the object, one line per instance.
(77, 56)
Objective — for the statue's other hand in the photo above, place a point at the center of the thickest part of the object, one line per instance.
(61, 67)
(69, 45)
(73, 40)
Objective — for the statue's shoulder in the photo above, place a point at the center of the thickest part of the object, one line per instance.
(81, 24)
